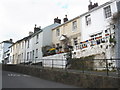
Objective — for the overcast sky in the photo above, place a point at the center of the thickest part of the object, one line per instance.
(18, 17)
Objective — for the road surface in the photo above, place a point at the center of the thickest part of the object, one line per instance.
(16, 80)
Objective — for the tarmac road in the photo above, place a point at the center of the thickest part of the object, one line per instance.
(16, 80)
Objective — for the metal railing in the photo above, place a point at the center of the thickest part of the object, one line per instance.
(107, 67)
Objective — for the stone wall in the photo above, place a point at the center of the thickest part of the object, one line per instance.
(117, 34)
(77, 79)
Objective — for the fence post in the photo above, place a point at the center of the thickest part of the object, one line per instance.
(43, 63)
(83, 64)
(24, 61)
(52, 63)
(118, 67)
(66, 65)
(107, 67)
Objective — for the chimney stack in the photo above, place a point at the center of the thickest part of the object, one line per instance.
(91, 6)
(36, 29)
(56, 20)
(65, 19)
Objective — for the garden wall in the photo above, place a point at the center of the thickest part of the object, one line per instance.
(77, 79)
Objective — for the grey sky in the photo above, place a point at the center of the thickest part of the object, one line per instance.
(18, 17)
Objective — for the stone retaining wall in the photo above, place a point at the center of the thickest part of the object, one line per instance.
(77, 79)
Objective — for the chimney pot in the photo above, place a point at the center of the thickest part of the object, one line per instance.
(90, 6)
(11, 40)
(66, 16)
(65, 19)
(35, 25)
(56, 20)
(36, 29)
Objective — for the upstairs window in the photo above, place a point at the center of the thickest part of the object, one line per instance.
(36, 53)
(75, 41)
(106, 31)
(58, 32)
(22, 45)
(74, 25)
(27, 56)
(37, 37)
(33, 55)
(107, 11)
(57, 45)
(28, 44)
(88, 20)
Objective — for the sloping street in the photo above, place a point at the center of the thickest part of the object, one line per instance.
(15, 80)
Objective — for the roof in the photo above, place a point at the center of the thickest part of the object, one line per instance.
(7, 41)
(32, 35)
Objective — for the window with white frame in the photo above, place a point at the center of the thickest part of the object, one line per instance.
(11, 49)
(22, 56)
(88, 19)
(74, 25)
(28, 44)
(36, 53)
(107, 11)
(30, 55)
(37, 37)
(22, 45)
(33, 54)
(58, 32)
(27, 56)
(57, 45)
(75, 41)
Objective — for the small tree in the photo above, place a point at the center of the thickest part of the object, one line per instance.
(116, 17)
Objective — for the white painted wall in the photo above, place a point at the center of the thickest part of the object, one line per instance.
(55, 61)
(47, 34)
(98, 21)
(4, 46)
(38, 46)
(19, 54)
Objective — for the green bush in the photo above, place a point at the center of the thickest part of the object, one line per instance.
(84, 63)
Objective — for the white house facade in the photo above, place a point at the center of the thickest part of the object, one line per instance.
(29, 49)
(96, 28)
(4, 49)
(97, 20)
